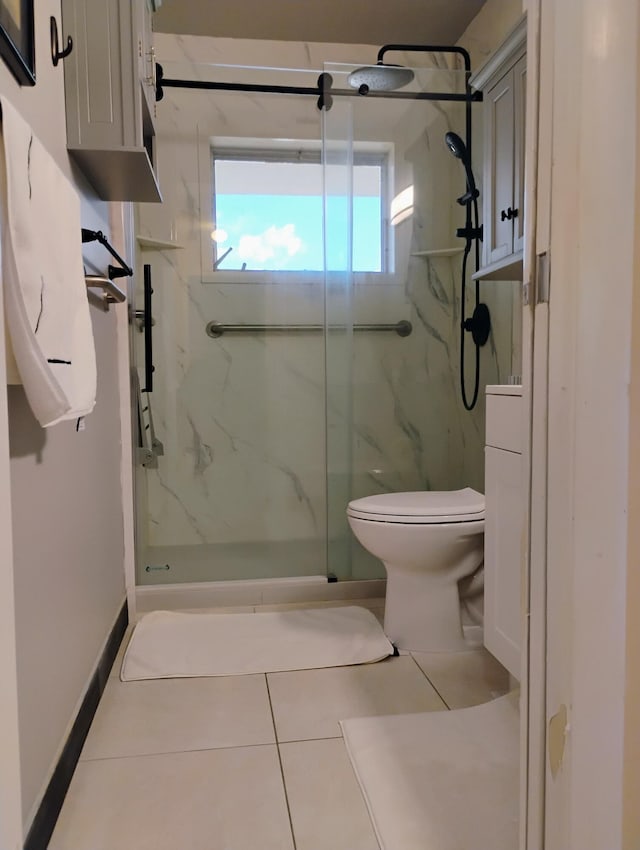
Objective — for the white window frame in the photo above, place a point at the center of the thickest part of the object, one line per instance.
(287, 150)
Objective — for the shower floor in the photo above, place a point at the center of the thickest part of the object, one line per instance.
(231, 561)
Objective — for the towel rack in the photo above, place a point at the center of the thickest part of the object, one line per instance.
(113, 271)
(112, 293)
(217, 329)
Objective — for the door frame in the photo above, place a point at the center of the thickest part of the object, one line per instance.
(583, 692)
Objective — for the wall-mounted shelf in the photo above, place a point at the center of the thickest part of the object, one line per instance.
(146, 243)
(508, 268)
(439, 252)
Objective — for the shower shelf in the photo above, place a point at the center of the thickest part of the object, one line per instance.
(439, 252)
(146, 243)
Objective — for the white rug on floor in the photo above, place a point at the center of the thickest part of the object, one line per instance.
(442, 781)
(169, 644)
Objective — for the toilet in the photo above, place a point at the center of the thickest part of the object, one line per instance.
(427, 541)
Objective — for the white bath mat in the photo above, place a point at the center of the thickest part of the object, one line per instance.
(442, 781)
(167, 644)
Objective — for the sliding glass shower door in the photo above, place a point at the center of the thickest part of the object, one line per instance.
(395, 420)
(239, 395)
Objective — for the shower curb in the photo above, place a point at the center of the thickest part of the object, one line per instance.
(254, 592)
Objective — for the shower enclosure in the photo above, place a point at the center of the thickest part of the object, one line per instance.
(306, 318)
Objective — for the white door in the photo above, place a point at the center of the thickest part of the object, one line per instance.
(535, 207)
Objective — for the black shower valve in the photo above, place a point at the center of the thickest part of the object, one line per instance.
(479, 325)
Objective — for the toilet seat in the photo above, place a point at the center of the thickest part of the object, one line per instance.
(423, 507)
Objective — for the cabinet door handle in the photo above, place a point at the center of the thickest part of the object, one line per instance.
(508, 214)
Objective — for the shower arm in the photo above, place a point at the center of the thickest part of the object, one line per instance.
(426, 48)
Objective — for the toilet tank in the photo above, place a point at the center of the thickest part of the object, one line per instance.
(503, 536)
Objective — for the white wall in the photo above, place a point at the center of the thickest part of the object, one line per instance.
(65, 495)
(490, 26)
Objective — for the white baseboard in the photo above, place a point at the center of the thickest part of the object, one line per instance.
(214, 594)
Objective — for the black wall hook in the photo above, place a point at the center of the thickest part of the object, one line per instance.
(56, 53)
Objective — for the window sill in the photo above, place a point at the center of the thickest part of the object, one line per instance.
(301, 278)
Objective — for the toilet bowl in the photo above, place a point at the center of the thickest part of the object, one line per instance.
(427, 541)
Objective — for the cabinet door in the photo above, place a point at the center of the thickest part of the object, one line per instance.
(94, 96)
(146, 54)
(499, 142)
(520, 103)
(502, 557)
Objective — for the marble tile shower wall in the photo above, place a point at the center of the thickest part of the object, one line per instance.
(242, 418)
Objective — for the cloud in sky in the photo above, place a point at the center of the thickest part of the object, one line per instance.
(272, 243)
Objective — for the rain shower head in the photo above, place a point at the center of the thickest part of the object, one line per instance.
(380, 77)
(459, 150)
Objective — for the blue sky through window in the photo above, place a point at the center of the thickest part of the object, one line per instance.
(284, 232)
(280, 229)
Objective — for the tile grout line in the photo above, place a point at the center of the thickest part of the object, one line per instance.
(284, 782)
(308, 740)
(448, 707)
(178, 752)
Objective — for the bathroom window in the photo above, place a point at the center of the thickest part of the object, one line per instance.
(268, 207)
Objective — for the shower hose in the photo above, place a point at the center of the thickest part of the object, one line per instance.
(469, 405)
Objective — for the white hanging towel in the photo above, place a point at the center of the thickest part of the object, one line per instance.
(47, 310)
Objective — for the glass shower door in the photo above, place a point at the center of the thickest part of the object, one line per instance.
(239, 395)
(395, 420)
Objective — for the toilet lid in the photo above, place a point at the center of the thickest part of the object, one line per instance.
(429, 506)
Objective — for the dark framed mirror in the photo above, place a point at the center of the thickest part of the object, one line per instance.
(17, 39)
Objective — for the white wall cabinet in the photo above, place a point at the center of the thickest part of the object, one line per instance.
(503, 83)
(110, 102)
(503, 526)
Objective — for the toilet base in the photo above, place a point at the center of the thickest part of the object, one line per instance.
(422, 613)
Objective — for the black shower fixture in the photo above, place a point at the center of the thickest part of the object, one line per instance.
(479, 324)
(380, 80)
(459, 150)
(384, 80)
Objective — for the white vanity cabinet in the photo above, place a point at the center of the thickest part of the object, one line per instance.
(109, 96)
(503, 83)
(503, 538)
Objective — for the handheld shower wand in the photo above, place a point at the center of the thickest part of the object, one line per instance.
(459, 150)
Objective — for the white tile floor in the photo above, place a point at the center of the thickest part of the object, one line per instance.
(248, 762)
